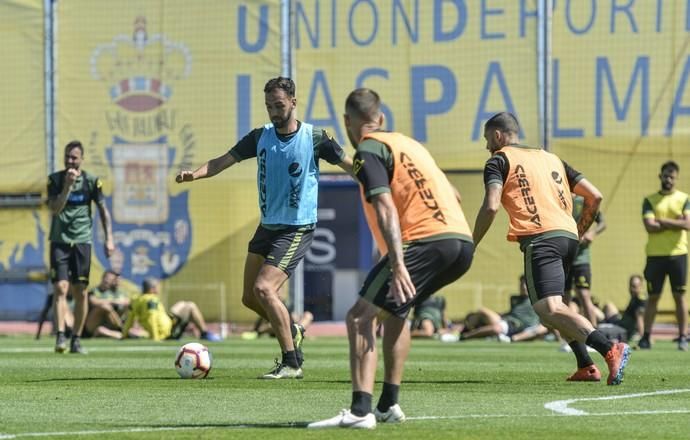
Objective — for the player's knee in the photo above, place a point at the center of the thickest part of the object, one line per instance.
(61, 287)
(248, 300)
(263, 291)
(358, 319)
(189, 305)
(547, 309)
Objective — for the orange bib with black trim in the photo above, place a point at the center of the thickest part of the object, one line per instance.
(536, 193)
(422, 194)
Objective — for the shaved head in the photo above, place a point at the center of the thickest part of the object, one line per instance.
(364, 104)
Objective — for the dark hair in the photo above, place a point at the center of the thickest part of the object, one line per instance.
(363, 103)
(74, 144)
(148, 284)
(670, 165)
(504, 122)
(281, 83)
(638, 276)
(112, 272)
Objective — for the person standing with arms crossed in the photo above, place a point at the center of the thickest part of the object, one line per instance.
(666, 217)
(534, 187)
(421, 231)
(70, 194)
(287, 152)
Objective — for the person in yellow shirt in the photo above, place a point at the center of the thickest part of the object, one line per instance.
(666, 217)
(149, 311)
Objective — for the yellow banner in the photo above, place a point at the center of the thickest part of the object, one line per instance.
(22, 133)
(620, 108)
(442, 68)
(154, 87)
(22, 113)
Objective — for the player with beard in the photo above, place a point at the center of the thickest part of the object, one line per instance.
(666, 217)
(288, 153)
(70, 194)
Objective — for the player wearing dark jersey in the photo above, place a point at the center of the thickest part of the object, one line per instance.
(70, 195)
(287, 153)
(534, 187)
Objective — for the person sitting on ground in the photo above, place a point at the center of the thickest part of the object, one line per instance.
(107, 307)
(429, 318)
(521, 323)
(103, 318)
(630, 323)
(149, 311)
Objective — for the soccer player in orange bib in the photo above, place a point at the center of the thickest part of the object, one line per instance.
(415, 215)
(534, 187)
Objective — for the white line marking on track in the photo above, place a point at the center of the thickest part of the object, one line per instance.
(562, 406)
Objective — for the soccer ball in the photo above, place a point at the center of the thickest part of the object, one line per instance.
(193, 361)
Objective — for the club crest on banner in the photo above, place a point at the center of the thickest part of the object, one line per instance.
(151, 227)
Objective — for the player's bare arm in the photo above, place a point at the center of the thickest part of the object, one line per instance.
(346, 165)
(401, 288)
(106, 222)
(58, 203)
(590, 206)
(597, 228)
(209, 169)
(487, 212)
(683, 222)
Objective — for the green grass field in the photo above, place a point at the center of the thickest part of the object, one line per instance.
(475, 390)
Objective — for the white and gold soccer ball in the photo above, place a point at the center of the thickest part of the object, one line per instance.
(193, 361)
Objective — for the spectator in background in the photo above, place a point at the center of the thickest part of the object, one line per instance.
(631, 321)
(666, 217)
(520, 323)
(70, 195)
(429, 318)
(108, 305)
(148, 310)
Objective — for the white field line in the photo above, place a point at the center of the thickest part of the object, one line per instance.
(562, 406)
(559, 408)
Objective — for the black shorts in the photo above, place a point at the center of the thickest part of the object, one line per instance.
(178, 327)
(70, 262)
(283, 248)
(514, 325)
(580, 277)
(431, 266)
(547, 261)
(676, 267)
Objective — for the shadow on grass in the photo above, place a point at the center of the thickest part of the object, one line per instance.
(409, 382)
(86, 379)
(238, 425)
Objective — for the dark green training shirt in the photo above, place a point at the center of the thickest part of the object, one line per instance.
(74, 223)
